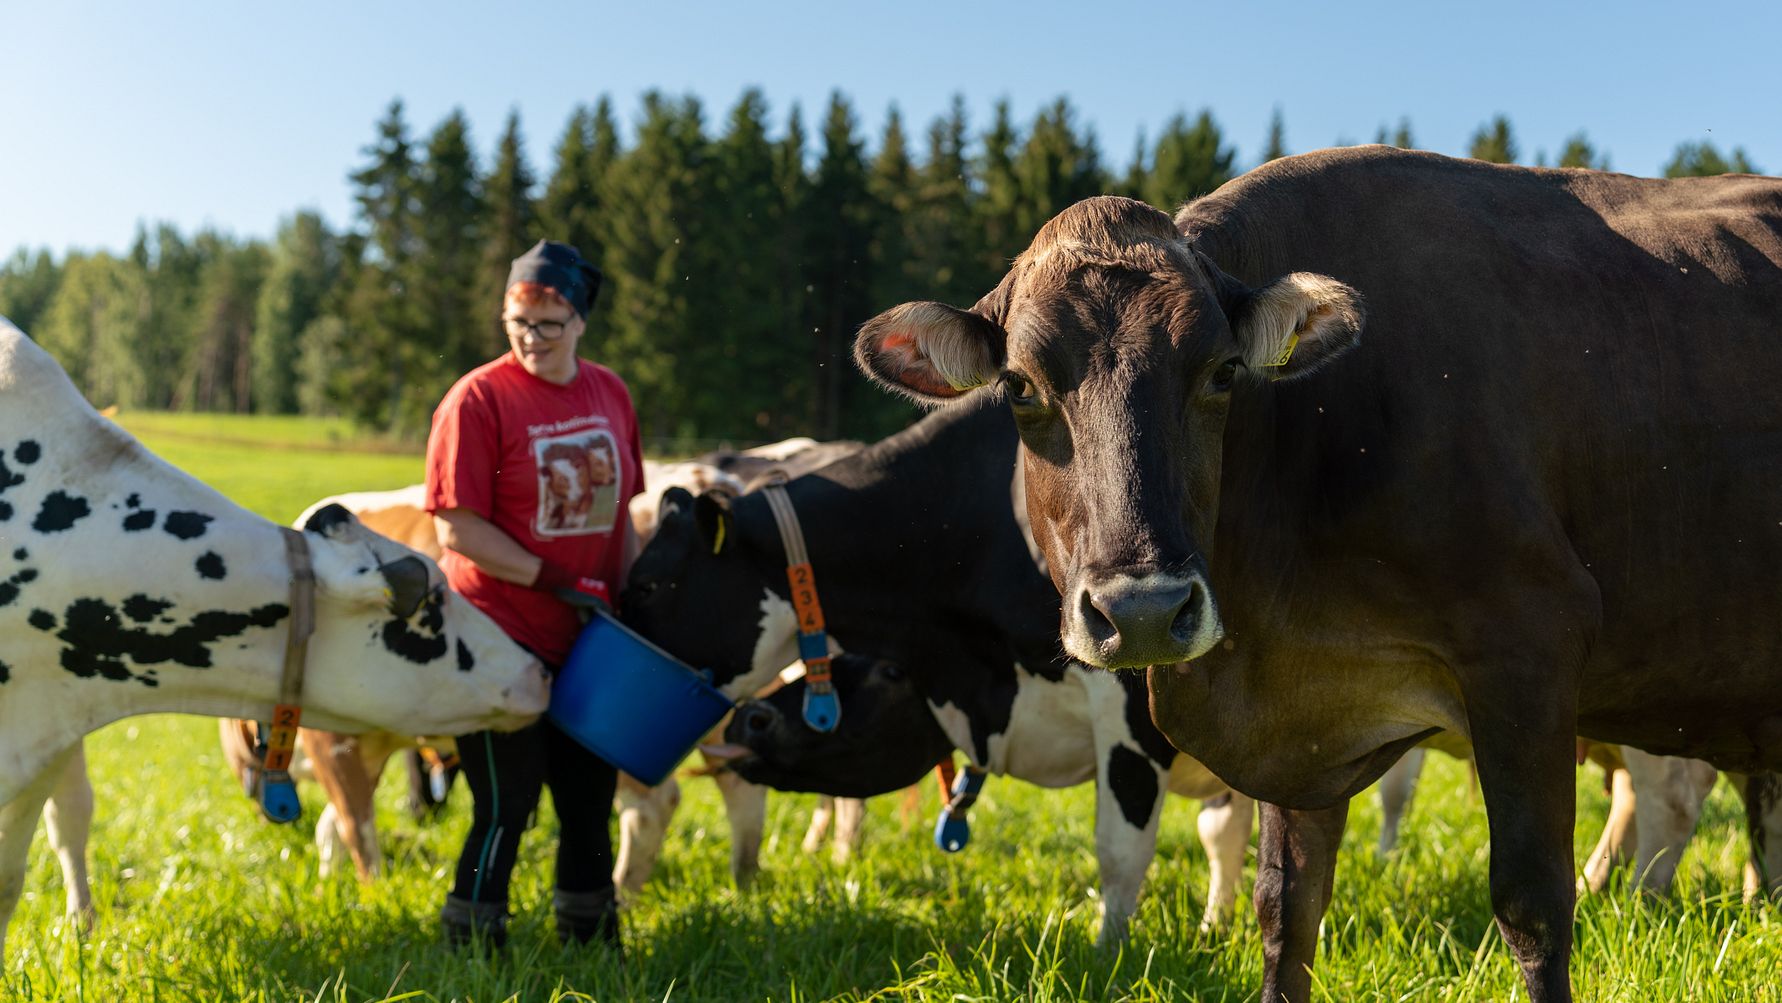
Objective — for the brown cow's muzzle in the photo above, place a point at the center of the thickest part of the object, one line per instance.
(1133, 618)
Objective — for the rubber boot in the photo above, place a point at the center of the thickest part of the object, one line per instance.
(464, 921)
(587, 916)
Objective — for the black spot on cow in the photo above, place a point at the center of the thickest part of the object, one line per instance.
(5, 672)
(186, 525)
(42, 619)
(134, 501)
(25, 575)
(211, 566)
(8, 481)
(142, 609)
(60, 511)
(140, 520)
(28, 452)
(466, 660)
(1133, 779)
(10, 588)
(20, 554)
(98, 641)
(422, 646)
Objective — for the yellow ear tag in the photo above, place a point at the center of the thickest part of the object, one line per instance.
(718, 542)
(1284, 354)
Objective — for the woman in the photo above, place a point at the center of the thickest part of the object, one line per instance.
(533, 542)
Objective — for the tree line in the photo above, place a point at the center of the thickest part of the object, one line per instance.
(738, 260)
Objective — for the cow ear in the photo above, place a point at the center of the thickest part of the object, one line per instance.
(405, 579)
(674, 502)
(1295, 324)
(331, 520)
(711, 511)
(931, 352)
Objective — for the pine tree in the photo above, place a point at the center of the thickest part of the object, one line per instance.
(1493, 143)
(1577, 152)
(89, 326)
(305, 264)
(946, 255)
(1275, 146)
(1189, 162)
(459, 332)
(892, 182)
(838, 226)
(999, 206)
(656, 198)
(27, 285)
(1401, 137)
(1702, 160)
(510, 221)
(1056, 168)
(1136, 179)
(571, 210)
(753, 339)
(372, 379)
(219, 370)
(171, 270)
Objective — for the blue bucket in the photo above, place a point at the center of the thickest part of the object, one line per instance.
(631, 703)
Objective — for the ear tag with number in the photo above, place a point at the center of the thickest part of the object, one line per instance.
(1286, 353)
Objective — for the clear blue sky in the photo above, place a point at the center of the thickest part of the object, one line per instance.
(236, 114)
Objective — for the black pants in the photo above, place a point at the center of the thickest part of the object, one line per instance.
(506, 771)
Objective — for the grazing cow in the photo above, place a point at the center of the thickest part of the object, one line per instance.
(920, 560)
(1539, 501)
(127, 587)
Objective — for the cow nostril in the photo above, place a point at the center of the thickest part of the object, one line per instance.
(757, 720)
(1187, 619)
(1095, 619)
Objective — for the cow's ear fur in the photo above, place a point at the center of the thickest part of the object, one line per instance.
(711, 512)
(674, 502)
(931, 352)
(331, 520)
(405, 579)
(1294, 325)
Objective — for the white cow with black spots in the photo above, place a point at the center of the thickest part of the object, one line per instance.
(128, 587)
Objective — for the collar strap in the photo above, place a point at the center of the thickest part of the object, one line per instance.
(278, 795)
(822, 709)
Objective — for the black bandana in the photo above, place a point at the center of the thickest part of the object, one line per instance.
(560, 267)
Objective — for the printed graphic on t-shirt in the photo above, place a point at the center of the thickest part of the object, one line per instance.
(578, 483)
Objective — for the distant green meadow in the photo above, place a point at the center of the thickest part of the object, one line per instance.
(199, 899)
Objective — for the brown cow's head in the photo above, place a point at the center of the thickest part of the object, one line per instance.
(1118, 347)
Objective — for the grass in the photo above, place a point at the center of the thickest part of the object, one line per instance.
(200, 900)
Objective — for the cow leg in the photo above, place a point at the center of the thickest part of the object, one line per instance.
(644, 813)
(745, 804)
(1762, 794)
(1224, 825)
(1129, 793)
(850, 819)
(68, 819)
(1612, 849)
(341, 773)
(1525, 749)
(821, 816)
(1295, 869)
(1668, 796)
(1396, 788)
(18, 823)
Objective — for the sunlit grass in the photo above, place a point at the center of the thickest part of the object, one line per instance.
(200, 900)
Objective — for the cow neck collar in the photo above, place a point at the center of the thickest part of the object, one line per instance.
(278, 795)
(822, 709)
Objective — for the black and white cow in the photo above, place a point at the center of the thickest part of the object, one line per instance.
(920, 560)
(128, 587)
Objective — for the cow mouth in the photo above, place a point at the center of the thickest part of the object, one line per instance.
(726, 755)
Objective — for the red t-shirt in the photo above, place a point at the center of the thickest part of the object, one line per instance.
(552, 466)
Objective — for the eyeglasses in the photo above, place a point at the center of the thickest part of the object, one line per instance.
(546, 330)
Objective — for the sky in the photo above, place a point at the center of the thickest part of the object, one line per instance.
(236, 115)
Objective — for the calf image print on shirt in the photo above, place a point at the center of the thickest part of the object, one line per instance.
(578, 483)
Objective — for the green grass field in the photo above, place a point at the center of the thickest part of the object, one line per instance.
(200, 900)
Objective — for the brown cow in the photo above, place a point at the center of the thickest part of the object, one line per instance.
(1541, 500)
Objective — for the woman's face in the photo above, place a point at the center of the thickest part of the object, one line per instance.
(543, 337)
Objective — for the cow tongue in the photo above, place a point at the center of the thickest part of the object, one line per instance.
(725, 752)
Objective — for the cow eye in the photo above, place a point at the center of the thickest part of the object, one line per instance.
(1223, 377)
(1021, 389)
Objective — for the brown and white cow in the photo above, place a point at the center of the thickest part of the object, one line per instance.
(128, 587)
(1539, 500)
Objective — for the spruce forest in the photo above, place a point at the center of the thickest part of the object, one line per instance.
(739, 256)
